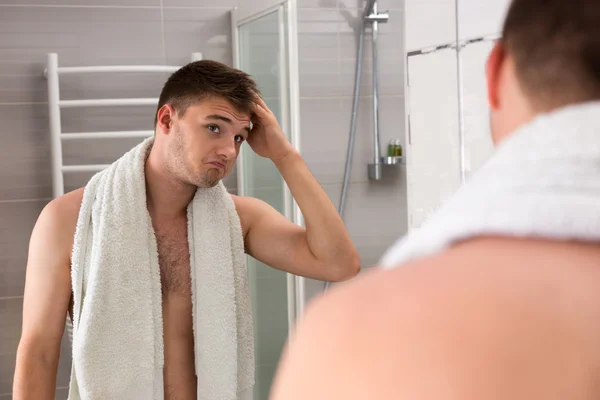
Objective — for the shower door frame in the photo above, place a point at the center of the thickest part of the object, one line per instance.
(290, 120)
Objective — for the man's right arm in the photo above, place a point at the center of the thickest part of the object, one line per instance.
(46, 299)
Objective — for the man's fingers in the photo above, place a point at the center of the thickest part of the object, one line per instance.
(260, 111)
(261, 102)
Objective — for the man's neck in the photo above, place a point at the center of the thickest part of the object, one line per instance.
(166, 196)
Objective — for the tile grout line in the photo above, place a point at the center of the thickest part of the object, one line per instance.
(22, 103)
(31, 200)
(11, 298)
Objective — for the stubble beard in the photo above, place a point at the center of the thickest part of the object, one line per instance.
(180, 168)
(209, 179)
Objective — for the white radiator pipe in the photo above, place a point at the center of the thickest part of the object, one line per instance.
(54, 116)
(115, 68)
(108, 102)
(107, 135)
(84, 168)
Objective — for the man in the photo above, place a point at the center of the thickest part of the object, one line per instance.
(497, 296)
(206, 111)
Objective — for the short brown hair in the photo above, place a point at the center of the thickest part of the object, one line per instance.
(199, 80)
(556, 48)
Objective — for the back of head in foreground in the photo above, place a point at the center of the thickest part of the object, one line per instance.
(491, 316)
(548, 58)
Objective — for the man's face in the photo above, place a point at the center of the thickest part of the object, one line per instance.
(205, 141)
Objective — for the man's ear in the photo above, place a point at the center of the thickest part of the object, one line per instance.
(493, 71)
(165, 117)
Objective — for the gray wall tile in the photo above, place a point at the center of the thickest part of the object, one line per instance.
(205, 30)
(318, 39)
(25, 152)
(61, 394)
(7, 371)
(10, 315)
(80, 36)
(17, 220)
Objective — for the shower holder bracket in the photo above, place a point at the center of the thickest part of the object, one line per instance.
(375, 169)
(381, 17)
(391, 160)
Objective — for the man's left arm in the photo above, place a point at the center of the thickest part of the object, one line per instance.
(323, 250)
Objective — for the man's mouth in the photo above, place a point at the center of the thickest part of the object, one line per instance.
(218, 164)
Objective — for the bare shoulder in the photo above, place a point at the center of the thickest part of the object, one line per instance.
(250, 209)
(58, 220)
(246, 205)
(459, 325)
(66, 205)
(65, 209)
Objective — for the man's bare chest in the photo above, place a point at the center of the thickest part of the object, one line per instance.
(174, 260)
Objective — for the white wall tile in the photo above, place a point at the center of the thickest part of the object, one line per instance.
(478, 18)
(434, 157)
(430, 23)
(475, 110)
(204, 30)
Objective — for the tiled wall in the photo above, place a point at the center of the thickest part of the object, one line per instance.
(85, 32)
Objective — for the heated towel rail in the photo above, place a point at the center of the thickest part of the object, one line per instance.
(55, 104)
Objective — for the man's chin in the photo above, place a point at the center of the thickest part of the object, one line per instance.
(210, 180)
(212, 184)
(207, 184)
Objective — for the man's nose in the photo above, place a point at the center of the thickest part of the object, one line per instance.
(228, 149)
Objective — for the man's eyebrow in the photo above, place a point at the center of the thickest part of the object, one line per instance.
(247, 128)
(220, 118)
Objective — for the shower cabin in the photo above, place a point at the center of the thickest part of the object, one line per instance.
(265, 46)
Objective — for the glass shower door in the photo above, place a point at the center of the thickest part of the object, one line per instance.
(262, 49)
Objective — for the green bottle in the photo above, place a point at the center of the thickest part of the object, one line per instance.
(398, 148)
(394, 148)
(391, 148)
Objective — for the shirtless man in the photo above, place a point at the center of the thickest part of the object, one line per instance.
(204, 115)
(492, 316)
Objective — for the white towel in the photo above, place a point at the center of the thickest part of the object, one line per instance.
(543, 181)
(117, 324)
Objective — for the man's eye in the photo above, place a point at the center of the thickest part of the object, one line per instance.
(239, 139)
(214, 128)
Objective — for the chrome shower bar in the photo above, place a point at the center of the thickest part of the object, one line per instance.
(374, 17)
